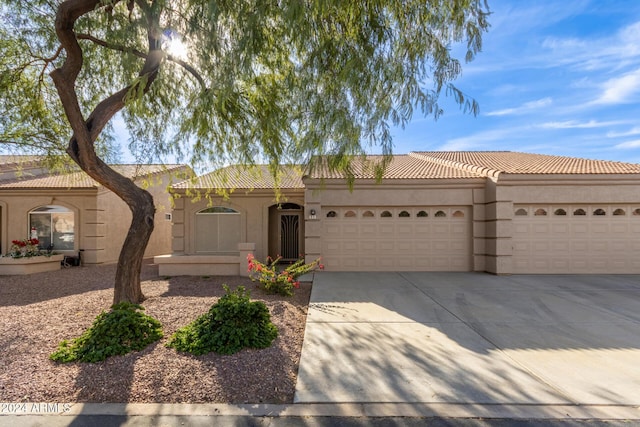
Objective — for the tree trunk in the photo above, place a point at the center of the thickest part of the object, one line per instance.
(127, 280)
(86, 131)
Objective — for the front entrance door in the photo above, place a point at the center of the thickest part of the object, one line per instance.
(289, 235)
(286, 231)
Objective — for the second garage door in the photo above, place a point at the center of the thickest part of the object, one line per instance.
(576, 239)
(431, 238)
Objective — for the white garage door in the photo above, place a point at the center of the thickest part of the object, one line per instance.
(397, 239)
(576, 239)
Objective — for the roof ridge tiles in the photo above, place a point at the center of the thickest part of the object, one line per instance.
(477, 169)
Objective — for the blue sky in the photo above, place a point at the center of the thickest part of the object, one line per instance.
(554, 77)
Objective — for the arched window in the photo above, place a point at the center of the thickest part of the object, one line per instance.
(385, 214)
(331, 214)
(579, 212)
(599, 212)
(619, 212)
(404, 214)
(521, 212)
(53, 225)
(422, 214)
(636, 211)
(349, 214)
(367, 214)
(440, 214)
(540, 212)
(217, 230)
(458, 214)
(560, 212)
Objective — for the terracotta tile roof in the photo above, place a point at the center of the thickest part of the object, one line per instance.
(10, 160)
(492, 163)
(241, 177)
(82, 180)
(400, 167)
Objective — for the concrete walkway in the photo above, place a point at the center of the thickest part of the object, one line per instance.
(477, 340)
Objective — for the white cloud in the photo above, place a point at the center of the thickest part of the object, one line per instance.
(630, 132)
(524, 108)
(621, 89)
(628, 144)
(574, 124)
(480, 140)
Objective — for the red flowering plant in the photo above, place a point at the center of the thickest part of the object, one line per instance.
(24, 248)
(275, 280)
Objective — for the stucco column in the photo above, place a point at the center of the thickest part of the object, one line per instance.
(245, 249)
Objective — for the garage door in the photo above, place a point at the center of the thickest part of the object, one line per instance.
(576, 239)
(397, 239)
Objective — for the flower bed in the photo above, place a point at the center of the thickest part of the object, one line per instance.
(29, 265)
(25, 257)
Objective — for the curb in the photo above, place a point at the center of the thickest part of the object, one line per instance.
(441, 410)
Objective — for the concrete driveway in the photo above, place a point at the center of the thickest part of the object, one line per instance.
(471, 338)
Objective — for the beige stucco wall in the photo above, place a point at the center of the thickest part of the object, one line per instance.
(254, 211)
(17, 204)
(107, 227)
(101, 218)
(491, 200)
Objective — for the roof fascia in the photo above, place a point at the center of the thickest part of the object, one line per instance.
(568, 179)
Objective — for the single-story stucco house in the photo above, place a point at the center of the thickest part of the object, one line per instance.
(497, 212)
(75, 213)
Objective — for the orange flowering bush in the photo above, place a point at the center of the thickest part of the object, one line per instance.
(280, 281)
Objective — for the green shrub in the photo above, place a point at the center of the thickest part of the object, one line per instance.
(122, 330)
(231, 324)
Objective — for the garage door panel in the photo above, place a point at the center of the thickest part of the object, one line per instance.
(385, 246)
(368, 263)
(332, 230)
(576, 243)
(368, 229)
(405, 229)
(398, 243)
(619, 228)
(600, 229)
(385, 230)
(560, 228)
(540, 228)
(422, 246)
(350, 246)
(404, 246)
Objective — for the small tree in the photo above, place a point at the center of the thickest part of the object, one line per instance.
(276, 80)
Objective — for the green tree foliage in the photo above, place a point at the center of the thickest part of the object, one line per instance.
(233, 323)
(279, 81)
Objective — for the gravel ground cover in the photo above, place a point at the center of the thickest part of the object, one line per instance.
(40, 310)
